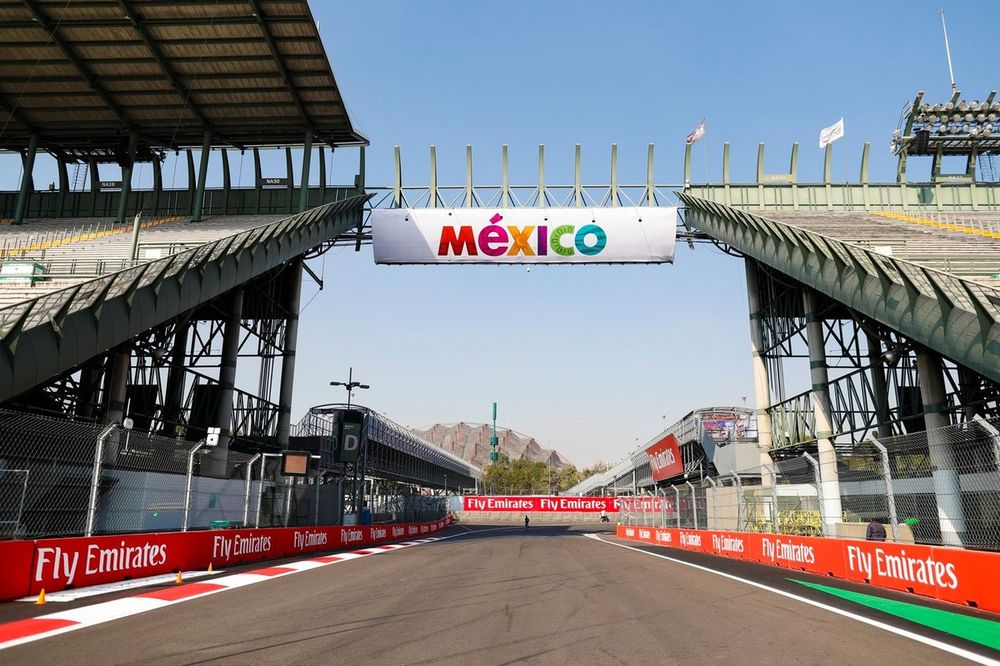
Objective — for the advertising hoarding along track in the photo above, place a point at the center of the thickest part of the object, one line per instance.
(956, 575)
(524, 235)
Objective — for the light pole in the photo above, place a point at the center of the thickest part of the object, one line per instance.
(350, 385)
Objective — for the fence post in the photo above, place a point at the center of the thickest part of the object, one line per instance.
(890, 496)
(288, 497)
(819, 490)
(775, 514)
(694, 502)
(187, 485)
(95, 479)
(715, 503)
(994, 440)
(739, 501)
(246, 491)
(677, 506)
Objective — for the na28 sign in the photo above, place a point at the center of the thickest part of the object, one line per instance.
(524, 235)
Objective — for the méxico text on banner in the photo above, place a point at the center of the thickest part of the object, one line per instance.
(524, 235)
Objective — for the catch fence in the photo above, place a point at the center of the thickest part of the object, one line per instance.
(67, 478)
(938, 487)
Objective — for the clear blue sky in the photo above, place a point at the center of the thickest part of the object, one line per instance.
(591, 359)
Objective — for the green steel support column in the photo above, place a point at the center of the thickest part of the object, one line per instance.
(321, 154)
(726, 181)
(360, 182)
(831, 510)
(944, 466)
(687, 165)
(864, 175)
(227, 181)
(63, 185)
(95, 185)
(199, 195)
(26, 181)
(306, 159)
(157, 185)
(133, 143)
(880, 391)
(257, 179)
(192, 177)
(291, 179)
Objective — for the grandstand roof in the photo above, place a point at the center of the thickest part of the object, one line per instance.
(84, 74)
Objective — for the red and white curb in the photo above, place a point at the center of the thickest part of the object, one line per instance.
(43, 626)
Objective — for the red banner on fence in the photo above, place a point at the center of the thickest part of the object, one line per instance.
(965, 577)
(558, 503)
(57, 564)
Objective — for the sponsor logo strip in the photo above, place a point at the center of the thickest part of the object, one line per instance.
(954, 575)
(25, 631)
(932, 642)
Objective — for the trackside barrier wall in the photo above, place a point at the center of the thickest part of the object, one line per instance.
(949, 574)
(75, 562)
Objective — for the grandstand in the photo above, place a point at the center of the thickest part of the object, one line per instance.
(133, 320)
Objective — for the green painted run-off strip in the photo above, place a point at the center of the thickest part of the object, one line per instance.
(975, 629)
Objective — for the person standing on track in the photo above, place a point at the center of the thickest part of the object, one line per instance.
(526, 521)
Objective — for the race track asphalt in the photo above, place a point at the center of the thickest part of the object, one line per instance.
(498, 596)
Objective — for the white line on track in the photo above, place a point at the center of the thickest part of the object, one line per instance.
(932, 642)
(64, 596)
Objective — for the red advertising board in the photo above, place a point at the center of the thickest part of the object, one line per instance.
(58, 564)
(15, 562)
(950, 574)
(665, 458)
(556, 503)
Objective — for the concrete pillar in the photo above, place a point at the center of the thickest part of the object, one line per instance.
(199, 194)
(947, 487)
(972, 392)
(880, 389)
(118, 375)
(306, 158)
(761, 386)
(288, 354)
(26, 180)
(90, 381)
(831, 511)
(174, 395)
(227, 380)
(133, 143)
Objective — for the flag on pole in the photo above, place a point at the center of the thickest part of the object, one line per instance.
(828, 135)
(698, 132)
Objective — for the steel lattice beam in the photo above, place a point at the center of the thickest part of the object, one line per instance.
(957, 318)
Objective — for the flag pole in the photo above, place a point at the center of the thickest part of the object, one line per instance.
(947, 50)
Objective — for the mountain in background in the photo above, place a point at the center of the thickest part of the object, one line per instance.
(471, 442)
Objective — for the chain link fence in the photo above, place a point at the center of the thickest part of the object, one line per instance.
(70, 478)
(939, 487)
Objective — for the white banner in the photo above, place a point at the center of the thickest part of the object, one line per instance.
(524, 235)
(828, 135)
